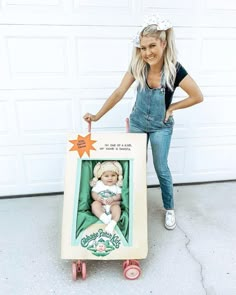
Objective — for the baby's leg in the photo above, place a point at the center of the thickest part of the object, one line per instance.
(98, 210)
(115, 213)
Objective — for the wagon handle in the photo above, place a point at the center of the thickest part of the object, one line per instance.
(89, 127)
(127, 125)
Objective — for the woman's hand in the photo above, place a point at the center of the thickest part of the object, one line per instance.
(169, 113)
(89, 117)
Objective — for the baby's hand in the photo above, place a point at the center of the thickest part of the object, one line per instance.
(109, 200)
(104, 201)
(100, 199)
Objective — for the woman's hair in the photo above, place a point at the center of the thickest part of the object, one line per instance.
(139, 67)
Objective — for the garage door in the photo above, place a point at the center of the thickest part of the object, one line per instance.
(60, 58)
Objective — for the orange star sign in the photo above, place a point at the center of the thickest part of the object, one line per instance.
(83, 145)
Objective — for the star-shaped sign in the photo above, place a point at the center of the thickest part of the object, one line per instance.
(83, 145)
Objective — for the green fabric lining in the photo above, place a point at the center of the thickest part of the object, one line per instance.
(85, 218)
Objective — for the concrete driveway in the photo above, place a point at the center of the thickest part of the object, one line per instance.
(198, 257)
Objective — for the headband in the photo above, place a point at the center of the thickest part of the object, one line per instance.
(153, 19)
(100, 168)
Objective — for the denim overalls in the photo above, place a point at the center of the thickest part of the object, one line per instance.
(148, 116)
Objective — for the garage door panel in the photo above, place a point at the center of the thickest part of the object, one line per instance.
(215, 117)
(107, 80)
(8, 169)
(198, 163)
(105, 11)
(172, 4)
(93, 12)
(215, 70)
(41, 57)
(60, 59)
(26, 3)
(219, 4)
(44, 168)
(33, 57)
(102, 3)
(8, 122)
(177, 160)
(214, 160)
(11, 172)
(182, 124)
(4, 117)
(37, 116)
(32, 169)
(111, 56)
(44, 116)
(47, 116)
(76, 12)
(214, 62)
(218, 91)
(187, 52)
(215, 110)
(221, 130)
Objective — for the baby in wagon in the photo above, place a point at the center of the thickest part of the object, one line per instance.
(106, 193)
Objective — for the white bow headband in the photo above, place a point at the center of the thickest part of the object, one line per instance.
(153, 19)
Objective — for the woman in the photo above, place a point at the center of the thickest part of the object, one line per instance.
(154, 66)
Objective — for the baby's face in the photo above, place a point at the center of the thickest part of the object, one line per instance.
(101, 247)
(109, 178)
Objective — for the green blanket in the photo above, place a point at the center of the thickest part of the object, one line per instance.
(85, 217)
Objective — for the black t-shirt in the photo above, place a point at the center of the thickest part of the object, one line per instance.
(181, 73)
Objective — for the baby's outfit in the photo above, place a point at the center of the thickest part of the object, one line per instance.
(106, 191)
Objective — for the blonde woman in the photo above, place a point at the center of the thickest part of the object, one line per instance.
(155, 67)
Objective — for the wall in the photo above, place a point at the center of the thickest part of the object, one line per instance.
(62, 58)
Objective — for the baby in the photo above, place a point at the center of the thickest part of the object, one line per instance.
(106, 193)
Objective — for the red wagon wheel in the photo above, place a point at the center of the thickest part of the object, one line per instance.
(79, 267)
(125, 264)
(83, 270)
(130, 262)
(74, 271)
(131, 269)
(132, 272)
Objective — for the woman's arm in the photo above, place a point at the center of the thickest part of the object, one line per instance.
(116, 96)
(194, 96)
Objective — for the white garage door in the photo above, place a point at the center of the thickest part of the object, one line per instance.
(61, 58)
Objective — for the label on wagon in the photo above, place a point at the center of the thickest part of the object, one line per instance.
(83, 145)
(101, 243)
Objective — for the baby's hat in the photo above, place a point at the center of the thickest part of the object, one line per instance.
(100, 168)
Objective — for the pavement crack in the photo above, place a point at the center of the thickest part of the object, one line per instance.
(194, 258)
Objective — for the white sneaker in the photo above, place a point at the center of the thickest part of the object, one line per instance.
(170, 219)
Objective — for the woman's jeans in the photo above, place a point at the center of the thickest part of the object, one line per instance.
(160, 144)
